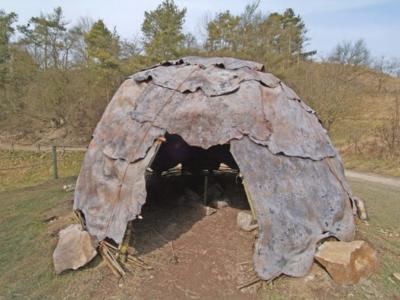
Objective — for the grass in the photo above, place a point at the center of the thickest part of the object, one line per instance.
(367, 163)
(382, 230)
(26, 269)
(28, 242)
(27, 168)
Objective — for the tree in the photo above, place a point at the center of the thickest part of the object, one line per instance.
(333, 90)
(190, 44)
(130, 48)
(102, 45)
(283, 38)
(349, 53)
(44, 37)
(278, 39)
(162, 30)
(389, 131)
(77, 53)
(6, 31)
(222, 32)
(293, 34)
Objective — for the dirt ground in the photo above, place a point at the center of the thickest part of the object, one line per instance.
(194, 255)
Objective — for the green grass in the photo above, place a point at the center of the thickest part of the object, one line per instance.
(383, 204)
(26, 168)
(26, 270)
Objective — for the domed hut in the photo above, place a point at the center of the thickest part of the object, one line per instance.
(252, 121)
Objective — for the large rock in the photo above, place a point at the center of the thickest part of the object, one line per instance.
(75, 248)
(347, 263)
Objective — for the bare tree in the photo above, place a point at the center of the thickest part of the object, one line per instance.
(331, 89)
(351, 53)
(389, 131)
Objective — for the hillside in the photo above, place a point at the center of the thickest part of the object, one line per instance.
(363, 111)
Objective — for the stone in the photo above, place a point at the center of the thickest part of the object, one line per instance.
(245, 221)
(219, 203)
(75, 249)
(397, 276)
(210, 211)
(69, 187)
(347, 262)
(361, 208)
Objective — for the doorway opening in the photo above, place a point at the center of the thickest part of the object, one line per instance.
(189, 232)
(184, 185)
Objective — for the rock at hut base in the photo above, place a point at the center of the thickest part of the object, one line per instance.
(209, 210)
(245, 221)
(74, 249)
(347, 263)
(361, 208)
(221, 203)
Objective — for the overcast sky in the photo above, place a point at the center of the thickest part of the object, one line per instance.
(328, 21)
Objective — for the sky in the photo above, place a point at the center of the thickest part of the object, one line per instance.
(328, 21)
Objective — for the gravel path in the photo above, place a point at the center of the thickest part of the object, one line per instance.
(391, 181)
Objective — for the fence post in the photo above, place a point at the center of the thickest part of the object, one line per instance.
(54, 158)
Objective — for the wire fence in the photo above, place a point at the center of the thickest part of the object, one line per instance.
(57, 154)
(23, 165)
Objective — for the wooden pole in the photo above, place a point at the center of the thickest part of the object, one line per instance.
(123, 249)
(205, 189)
(54, 160)
(249, 199)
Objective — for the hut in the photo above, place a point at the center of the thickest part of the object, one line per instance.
(201, 112)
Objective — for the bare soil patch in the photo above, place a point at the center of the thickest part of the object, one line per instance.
(194, 255)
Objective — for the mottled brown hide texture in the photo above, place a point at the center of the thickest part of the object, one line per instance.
(294, 175)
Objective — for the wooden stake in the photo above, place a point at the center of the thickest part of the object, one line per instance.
(249, 199)
(130, 259)
(123, 249)
(249, 283)
(54, 160)
(111, 261)
(79, 218)
(205, 189)
(112, 268)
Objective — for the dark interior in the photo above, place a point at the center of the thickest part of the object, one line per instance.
(176, 195)
(194, 160)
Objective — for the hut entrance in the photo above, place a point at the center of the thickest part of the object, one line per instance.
(189, 187)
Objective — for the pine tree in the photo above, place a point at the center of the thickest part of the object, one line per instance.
(44, 36)
(102, 45)
(223, 32)
(162, 30)
(6, 31)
